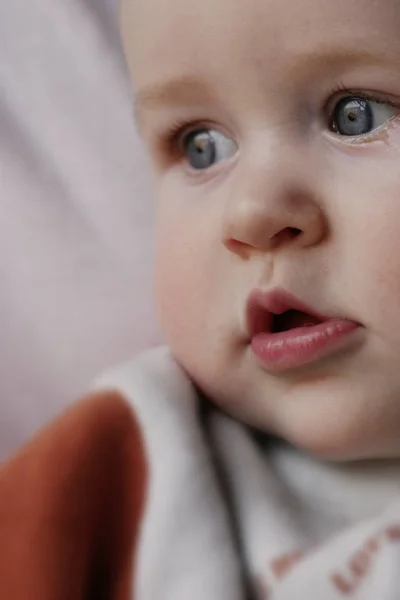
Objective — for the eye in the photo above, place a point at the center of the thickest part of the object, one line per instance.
(358, 115)
(206, 147)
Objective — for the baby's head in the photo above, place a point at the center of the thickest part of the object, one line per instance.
(274, 131)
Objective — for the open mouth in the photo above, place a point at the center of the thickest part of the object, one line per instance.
(284, 333)
(278, 312)
(292, 319)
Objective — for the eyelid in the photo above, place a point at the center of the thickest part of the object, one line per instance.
(180, 129)
(173, 140)
(182, 135)
(341, 92)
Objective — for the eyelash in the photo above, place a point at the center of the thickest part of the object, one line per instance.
(340, 91)
(337, 89)
(171, 140)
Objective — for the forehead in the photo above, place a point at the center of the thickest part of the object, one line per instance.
(174, 38)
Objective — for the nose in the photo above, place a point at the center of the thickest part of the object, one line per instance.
(273, 208)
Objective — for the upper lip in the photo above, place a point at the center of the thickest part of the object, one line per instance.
(262, 306)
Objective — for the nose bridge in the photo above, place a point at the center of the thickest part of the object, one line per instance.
(275, 197)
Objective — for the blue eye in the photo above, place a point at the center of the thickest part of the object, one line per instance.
(357, 116)
(206, 147)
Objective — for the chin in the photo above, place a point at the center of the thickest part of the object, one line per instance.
(334, 418)
(340, 439)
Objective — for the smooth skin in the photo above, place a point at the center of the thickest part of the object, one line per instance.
(256, 92)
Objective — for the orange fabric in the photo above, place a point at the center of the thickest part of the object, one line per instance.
(70, 506)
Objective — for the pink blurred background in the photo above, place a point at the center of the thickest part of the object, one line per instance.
(76, 218)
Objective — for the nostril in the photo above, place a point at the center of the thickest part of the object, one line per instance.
(294, 232)
(288, 234)
(243, 248)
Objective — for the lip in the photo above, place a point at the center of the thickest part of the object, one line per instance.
(299, 346)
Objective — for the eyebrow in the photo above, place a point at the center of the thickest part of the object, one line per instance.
(332, 58)
(182, 90)
(189, 90)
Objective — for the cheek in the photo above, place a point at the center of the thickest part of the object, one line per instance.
(368, 239)
(184, 280)
(378, 258)
(383, 284)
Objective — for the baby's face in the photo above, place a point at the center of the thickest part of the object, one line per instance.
(274, 130)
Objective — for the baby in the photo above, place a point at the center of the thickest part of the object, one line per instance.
(273, 129)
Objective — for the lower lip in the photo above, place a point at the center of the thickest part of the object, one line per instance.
(303, 345)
